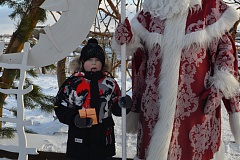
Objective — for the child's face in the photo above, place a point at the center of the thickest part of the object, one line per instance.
(92, 64)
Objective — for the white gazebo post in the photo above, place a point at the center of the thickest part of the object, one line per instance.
(123, 82)
(20, 120)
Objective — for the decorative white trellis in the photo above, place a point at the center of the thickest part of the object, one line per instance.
(59, 41)
(20, 120)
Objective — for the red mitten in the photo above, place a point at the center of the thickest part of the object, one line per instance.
(213, 99)
(123, 33)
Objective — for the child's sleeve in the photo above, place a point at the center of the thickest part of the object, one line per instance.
(116, 95)
(116, 109)
(62, 104)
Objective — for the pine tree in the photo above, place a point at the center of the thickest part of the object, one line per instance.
(29, 13)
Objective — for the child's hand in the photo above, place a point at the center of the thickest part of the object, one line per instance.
(82, 122)
(125, 102)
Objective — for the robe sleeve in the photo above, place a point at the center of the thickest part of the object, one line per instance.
(138, 83)
(225, 79)
(116, 110)
(225, 73)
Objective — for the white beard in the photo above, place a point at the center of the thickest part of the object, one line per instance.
(165, 9)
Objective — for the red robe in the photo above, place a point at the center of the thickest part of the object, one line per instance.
(174, 61)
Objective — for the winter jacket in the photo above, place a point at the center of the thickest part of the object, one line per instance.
(75, 94)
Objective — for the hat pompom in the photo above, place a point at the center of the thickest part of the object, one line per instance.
(92, 41)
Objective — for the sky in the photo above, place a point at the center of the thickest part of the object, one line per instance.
(7, 26)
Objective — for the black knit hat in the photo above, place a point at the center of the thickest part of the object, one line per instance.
(92, 50)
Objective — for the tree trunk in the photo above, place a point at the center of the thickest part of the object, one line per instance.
(61, 74)
(233, 30)
(43, 70)
(16, 44)
(113, 62)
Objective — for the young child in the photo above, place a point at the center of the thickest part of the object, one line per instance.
(90, 88)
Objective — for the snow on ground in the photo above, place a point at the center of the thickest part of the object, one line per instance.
(52, 135)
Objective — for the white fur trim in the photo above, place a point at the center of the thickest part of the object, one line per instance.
(149, 38)
(115, 46)
(216, 30)
(224, 81)
(202, 38)
(132, 122)
(165, 9)
(219, 155)
(136, 158)
(131, 47)
(134, 44)
(172, 46)
(194, 3)
(234, 120)
(171, 49)
(140, 34)
(138, 29)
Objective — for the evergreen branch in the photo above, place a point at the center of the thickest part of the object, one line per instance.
(8, 2)
(32, 73)
(37, 99)
(14, 110)
(4, 85)
(30, 131)
(7, 132)
(51, 67)
(34, 99)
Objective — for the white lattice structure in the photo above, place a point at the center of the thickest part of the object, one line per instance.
(20, 120)
(62, 37)
(59, 41)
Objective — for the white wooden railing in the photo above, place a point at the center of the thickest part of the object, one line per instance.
(19, 120)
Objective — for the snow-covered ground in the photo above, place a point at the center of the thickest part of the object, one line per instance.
(52, 135)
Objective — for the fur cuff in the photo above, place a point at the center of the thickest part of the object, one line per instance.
(131, 47)
(224, 81)
(219, 155)
(195, 5)
(132, 122)
(138, 32)
(136, 158)
(234, 121)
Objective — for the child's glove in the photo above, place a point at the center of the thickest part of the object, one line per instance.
(213, 101)
(123, 33)
(125, 102)
(82, 122)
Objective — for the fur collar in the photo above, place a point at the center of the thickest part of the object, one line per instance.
(203, 37)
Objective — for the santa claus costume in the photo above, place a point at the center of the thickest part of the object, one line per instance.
(184, 64)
